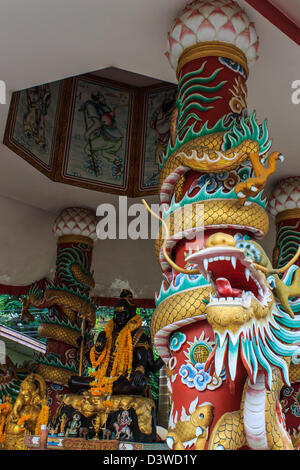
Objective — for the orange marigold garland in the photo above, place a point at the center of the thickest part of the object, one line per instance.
(122, 358)
(42, 418)
(21, 421)
(5, 409)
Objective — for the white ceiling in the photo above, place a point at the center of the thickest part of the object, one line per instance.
(46, 40)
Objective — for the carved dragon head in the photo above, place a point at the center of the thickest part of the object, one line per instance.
(243, 308)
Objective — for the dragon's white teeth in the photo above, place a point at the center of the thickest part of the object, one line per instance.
(240, 194)
(233, 261)
(205, 264)
(247, 274)
(254, 188)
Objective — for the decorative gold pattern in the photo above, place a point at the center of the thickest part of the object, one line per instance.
(196, 428)
(89, 405)
(294, 373)
(179, 307)
(217, 212)
(228, 433)
(54, 374)
(75, 239)
(212, 49)
(288, 215)
(70, 301)
(25, 412)
(59, 333)
(284, 292)
(204, 154)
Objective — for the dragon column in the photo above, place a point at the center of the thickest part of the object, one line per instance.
(213, 302)
(68, 302)
(284, 205)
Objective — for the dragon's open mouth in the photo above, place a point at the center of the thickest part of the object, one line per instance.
(233, 276)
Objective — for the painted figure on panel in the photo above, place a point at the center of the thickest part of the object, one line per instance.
(160, 123)
(38, 101)
(103, 137)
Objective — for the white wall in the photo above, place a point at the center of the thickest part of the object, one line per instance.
(27, 245)
(28, 251)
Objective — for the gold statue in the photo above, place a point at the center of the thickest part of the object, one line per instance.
(26, 412)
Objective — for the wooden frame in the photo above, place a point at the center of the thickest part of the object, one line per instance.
(13, 144)
(139, 188)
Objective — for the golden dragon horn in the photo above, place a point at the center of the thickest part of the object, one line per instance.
(280, 270)
(171, 262)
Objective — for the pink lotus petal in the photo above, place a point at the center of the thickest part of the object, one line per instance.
(175, 48)
(238, 22)
(227, 33)
(218, 18)
(253, 33)
(194, 21)
(193, 12)
(176, 31)
(206, 32)
(173, 61)
(230, 9)
(207, 9)
(243, 40)
(187, 37)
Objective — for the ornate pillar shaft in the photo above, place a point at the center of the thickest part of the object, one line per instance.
(211, 182)
(68, 301)
(284, 205)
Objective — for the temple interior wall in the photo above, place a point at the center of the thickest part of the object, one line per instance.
(28, 252)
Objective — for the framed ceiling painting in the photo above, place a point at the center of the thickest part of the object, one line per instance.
(98, 142)
(158, 104)
(93, 132)
(33, 125)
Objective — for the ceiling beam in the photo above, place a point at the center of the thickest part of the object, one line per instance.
(278, 18)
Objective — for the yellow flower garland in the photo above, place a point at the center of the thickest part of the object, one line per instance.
(122, 358)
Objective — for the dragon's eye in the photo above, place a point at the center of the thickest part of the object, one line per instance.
(271, 281)
(238, 237)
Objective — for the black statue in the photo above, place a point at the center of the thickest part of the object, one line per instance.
(143, 360)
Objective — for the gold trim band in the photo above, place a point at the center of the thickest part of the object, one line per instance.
(75, 239)
(212, 49)
(53, 374)
(59, 333)
(288, 214)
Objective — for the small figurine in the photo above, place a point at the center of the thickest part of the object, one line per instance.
(63, 423)
(122, 426)
(73, 430)
(84, 433)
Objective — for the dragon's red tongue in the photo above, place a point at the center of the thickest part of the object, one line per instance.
(225, 290)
